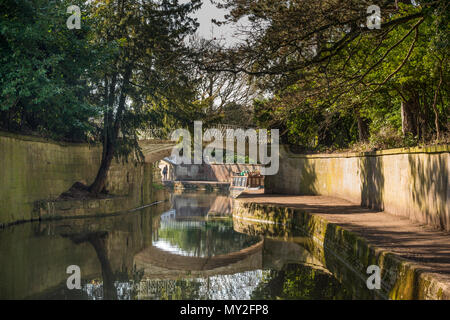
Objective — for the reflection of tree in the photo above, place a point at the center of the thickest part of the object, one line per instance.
(113, 283)
(209, 238)
(126, 283)
(182, 290)
(97, 240)
(300, 282)
(236, 286)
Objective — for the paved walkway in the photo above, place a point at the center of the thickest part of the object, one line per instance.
(420, 244)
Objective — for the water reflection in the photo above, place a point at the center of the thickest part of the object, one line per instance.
(300, 282)
(187, 248)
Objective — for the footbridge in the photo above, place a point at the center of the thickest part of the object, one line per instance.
(155, 150)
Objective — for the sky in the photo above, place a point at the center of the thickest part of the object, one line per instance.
(207, 29)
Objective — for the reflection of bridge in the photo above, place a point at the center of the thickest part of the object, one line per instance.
(266, 254)
(103, 247)
(164, 259)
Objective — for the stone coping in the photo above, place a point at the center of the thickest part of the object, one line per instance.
(46, 140)
(412, 150)
(24, 137)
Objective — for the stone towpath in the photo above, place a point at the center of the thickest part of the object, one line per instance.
(426, 247)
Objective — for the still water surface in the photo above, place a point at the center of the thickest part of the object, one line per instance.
(186, 248)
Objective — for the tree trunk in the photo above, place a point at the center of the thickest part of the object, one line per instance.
(435, 109)
(363, 128)
(109, 290)
(99, 183)
(408, 118)
(436, 122)
(111, 137)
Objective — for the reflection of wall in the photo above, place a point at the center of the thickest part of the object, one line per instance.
(34, 256)
(192, 204)
(222, 206)
(33, 169)
(409, 182)
(32, 262)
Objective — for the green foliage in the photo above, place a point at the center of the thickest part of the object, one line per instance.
(181, 290)
(300, 282)
(44, 70)
(129, 70)
(371, 79)
(54, 81)
(146, 83)
(198, 240)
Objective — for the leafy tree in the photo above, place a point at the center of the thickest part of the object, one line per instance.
(223, 96)
(149, 69)
(408, 85)
(333, 80)
(44, 70)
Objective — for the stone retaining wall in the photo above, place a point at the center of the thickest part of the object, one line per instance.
(413, 182)
(33, 172)
(342, 252)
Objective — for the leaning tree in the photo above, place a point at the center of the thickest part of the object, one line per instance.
(148, 68)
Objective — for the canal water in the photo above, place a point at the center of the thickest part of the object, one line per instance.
(185, 248)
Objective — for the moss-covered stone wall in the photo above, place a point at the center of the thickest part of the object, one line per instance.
(342, 252)
(34, 170)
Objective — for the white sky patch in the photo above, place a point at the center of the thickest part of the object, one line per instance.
(209, 30)
(168, 247)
